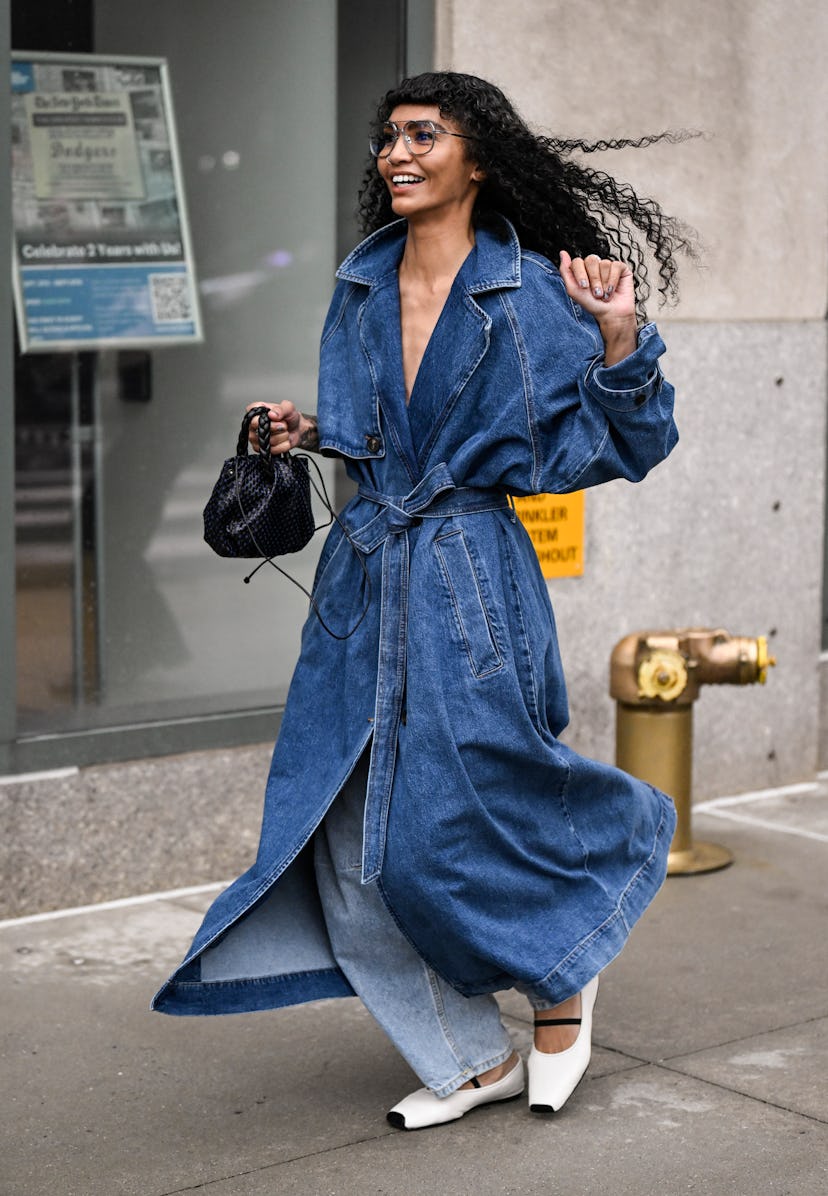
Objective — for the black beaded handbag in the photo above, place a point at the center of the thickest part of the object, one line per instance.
(260, 505)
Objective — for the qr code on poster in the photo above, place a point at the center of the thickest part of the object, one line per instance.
(170, 294)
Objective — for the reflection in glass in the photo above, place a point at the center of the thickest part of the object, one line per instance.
(124, 614)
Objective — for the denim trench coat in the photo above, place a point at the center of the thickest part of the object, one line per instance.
(503, 855)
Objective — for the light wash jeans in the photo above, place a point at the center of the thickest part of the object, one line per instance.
(445, 1037)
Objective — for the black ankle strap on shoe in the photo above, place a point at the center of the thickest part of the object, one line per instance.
(475, 1083)
(558, 1021)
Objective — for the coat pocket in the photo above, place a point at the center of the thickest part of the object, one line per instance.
(467, 593)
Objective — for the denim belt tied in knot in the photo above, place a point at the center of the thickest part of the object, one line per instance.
(435, 497)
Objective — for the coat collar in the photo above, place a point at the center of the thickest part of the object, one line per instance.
(496, 262)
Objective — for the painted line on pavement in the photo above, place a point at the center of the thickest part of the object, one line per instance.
(741, 799)
(768, 826)
(722, 807)
(52, 774)
(119, 903)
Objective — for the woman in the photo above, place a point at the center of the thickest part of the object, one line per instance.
(427, 840)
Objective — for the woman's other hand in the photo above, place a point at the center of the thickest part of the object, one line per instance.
(604, 287)
(285, 426)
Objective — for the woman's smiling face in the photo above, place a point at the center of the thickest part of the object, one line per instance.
(443, 180)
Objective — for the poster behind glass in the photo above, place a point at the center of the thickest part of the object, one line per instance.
(102, 250)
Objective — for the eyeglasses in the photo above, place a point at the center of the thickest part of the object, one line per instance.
(418, 135)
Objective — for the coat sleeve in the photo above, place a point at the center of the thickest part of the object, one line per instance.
(593, 423)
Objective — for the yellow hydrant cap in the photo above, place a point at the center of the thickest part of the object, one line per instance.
(763, 660)
(662, 674)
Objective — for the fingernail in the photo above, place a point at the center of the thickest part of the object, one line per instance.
(608, 292)
(582, 282)
(598, 292)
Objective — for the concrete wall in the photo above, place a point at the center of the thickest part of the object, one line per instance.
(822, 759)
(729, 530)
(115, 830)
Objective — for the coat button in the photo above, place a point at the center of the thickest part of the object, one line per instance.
(373, 444)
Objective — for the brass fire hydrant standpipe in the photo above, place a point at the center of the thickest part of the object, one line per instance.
(655, 677)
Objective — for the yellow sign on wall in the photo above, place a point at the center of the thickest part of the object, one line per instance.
(555, 523)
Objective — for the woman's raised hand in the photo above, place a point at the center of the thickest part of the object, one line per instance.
(604, 287)
(285, 426)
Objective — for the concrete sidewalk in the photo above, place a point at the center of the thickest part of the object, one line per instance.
(709, 1073)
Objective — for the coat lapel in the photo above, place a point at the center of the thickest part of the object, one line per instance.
(457, 346)
(380, 337)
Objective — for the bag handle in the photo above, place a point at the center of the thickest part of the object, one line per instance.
(262, 430)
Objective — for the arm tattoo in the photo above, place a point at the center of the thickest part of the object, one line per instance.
(309, 437)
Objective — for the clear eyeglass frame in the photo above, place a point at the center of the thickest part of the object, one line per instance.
(382, 143)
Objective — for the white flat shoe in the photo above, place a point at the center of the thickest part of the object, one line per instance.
(554, 1077)
(423, 1108)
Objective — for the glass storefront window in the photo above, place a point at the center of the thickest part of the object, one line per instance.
(124, 614)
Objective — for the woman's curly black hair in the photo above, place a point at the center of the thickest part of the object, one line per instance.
(553, 201)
